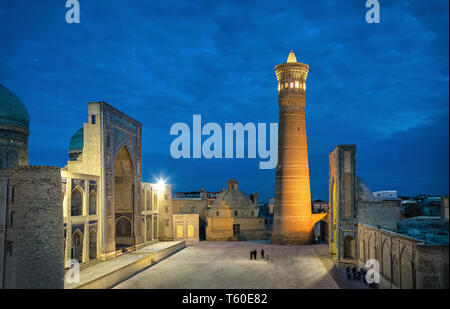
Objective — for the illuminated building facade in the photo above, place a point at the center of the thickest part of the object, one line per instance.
(107, 208)
(234, 216)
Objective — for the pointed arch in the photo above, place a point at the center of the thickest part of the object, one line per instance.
(123, 227)
(405, 269)
(76, 202)
(93, 244)
(349, 244)
(123, 181)
(149, 230)
(93, 202)
(77, 245)
(386, 259)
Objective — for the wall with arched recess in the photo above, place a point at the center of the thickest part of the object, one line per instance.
(92, 244)
(77, 246)
(349, 247)
(76, 202)
(404, 262)
(121, 132)
(124, 197)
(342, 197)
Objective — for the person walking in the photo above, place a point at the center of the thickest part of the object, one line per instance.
(347, 270)
(354, 272)
(262, 253)
(251, 255)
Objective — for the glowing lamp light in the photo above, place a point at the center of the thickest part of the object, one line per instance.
(160, 184)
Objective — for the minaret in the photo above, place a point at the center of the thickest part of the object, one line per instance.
(293, 222)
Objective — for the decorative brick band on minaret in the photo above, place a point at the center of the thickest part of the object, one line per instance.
(293, 221)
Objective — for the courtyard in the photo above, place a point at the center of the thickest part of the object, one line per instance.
(227, 265)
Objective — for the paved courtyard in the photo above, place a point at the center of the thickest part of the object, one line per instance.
(227, 265)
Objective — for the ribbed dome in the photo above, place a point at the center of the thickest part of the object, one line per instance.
(12, 110)
(76, 143)
(233, 198)
(363, 191)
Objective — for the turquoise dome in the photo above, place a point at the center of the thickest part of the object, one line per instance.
(12, 110)
(76, 143)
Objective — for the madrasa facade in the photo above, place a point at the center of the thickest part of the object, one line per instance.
(107, 208)
(97, 206)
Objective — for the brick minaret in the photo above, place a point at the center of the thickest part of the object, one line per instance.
(293, 221)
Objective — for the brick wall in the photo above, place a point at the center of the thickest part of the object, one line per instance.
(34, 255)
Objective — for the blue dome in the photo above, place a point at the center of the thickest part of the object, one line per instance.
(12, 110)
(76, 143)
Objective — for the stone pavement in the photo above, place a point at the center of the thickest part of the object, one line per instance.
(227, 265)
(338, 274)
(97, 271)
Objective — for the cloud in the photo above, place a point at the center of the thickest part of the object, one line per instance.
(160, 63)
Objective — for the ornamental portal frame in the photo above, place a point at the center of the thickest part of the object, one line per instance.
(121, 178)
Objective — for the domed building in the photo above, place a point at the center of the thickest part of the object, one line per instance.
(76, 145)
(14, 130)
(234, 216)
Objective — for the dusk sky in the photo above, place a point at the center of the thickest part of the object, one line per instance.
(383, 87)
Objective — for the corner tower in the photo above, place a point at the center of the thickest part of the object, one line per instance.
(293, 222)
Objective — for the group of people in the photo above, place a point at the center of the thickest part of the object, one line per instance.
(254, 254)
(358, 275)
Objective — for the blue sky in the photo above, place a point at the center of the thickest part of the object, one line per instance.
(383, 87)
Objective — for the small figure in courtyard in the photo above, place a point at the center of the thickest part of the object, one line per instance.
(347, 271)
(354, 272)
(251, 255)
(363, 275)
(262, 253)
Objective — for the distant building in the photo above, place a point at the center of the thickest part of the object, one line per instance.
(444, 207)
(431, 205)
(234, 216)
(422, 205)
(264, 212)
(386, 194)
(209, 197)
(319, 207)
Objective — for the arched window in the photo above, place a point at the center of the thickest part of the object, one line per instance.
(179, 231)
(123, 227)
(76, 205)
(155, 201)
(77, 246)
(349, 244)
(92, 203)
(93, 245)
(190, 231)
(149, 229)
